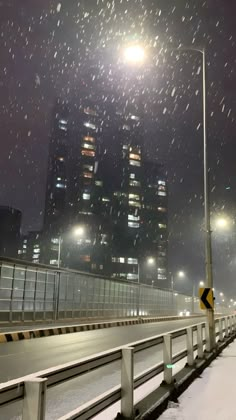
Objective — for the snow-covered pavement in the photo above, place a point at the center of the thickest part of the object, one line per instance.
(212, 396)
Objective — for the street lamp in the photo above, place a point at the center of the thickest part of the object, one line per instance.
(137, 54)
(77, 231)
(201, 283)
(134, 54)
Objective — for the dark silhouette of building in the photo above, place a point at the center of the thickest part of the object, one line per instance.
(10, 224)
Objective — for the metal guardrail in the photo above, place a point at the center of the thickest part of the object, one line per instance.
(32, 388)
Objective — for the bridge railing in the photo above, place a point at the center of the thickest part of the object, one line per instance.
(32, 389)
(30, 292)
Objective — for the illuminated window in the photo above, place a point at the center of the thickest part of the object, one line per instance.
(162, 209)
(133, 225)
(99, 183)
(54, 240)
(132, 276)
(89, 139)
(87, 175)
(87, 153)
(132, 261)
(161, 182)
(61, 159)
(134, 197)
(88, 124)
(134, 183)
(132, 176)
(134, 156)
(86, 196)
(161, 188)
(120, 260)
(162, 193)
(125, 147)
(88, 167)
(134, 204)
(133, 217)
(105, 199)
(162, 225)
(135, 163)
(88, 146)
(60, 185)
(53, 262)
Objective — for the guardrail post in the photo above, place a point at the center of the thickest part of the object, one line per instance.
(34, 399)
(226, 327)
(221, 337)
(167, 358)
(199, 342)
(189, 338)
(127, 383)
(207, 336)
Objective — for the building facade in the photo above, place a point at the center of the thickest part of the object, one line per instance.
(106, 204)
(10, 224)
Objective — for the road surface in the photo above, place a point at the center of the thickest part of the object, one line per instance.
(28, 356)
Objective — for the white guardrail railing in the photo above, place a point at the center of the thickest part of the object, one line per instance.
(32, 389)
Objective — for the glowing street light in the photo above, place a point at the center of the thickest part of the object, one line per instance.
(201, 283)
(151, 261)
(181, 274)
(78, 231)
(221, 294)
(134, 54)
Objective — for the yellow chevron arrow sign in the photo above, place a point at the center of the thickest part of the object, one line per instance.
(206, 298)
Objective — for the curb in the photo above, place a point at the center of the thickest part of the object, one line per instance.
(47, 332)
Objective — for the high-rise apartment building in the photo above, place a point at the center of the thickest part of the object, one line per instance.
(106, 204)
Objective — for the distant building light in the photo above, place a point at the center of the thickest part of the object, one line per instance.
(132, 261)
(162, 193)
(53, 262)
(88, 124)
(133, 217)
(134, 117)
(133, 225)
(60, 185)
(134, 162)
(86, 196)
(132, 276)
(99, 183)
(105, 199)
(63, 122)
(132, 176)
(162, 225)
(161, 182)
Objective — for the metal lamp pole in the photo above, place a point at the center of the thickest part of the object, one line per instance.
(138, 300)
(208, 245)
(59, 251)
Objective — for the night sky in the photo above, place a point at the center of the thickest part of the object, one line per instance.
(45, 46)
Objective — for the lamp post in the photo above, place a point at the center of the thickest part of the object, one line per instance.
(136, 55)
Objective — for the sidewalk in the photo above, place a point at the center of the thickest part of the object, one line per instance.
(212, 396)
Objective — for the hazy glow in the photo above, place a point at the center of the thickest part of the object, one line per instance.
(134, 54)
(201, 283)
(78, 231)
(181, 274)
(151, 261)
(222, 223)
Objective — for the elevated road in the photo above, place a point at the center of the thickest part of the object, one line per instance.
(28, 356)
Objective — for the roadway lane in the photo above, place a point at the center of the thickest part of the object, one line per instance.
(28, 356)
